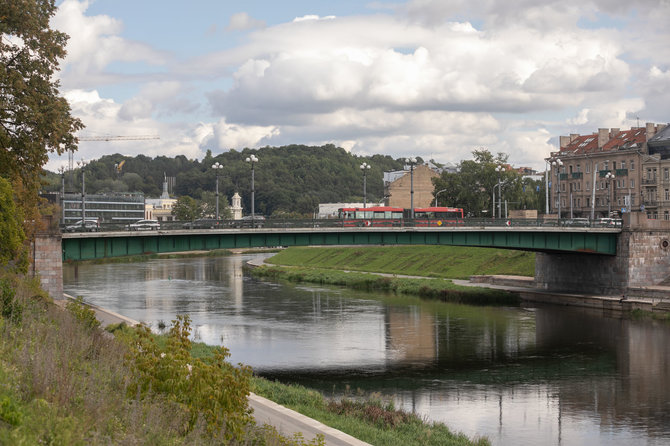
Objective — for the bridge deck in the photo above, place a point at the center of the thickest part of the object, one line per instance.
(83, 246)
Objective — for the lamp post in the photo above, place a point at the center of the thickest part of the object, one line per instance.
(558, 163)
(365, 167)
(499, 169)
(61, 169)
(609, 176)
(411, 161)
(82, 164)
(438, 193)
(217, 168)
(252, 159)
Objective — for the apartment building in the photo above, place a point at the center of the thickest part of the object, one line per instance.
(655, 193)
(604, 173)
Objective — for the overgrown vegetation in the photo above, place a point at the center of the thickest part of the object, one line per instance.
(452, 262)
(440, 289)
(372, 421)
(63, 381)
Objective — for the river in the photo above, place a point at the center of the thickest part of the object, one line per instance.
(522, 375)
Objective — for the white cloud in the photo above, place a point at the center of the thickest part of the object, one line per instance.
(242, 21)
(94, 43)
(432, 78)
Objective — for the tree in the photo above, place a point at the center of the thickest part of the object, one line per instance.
(34, 118)
(186, 209)
(471, 188)
(12, 250)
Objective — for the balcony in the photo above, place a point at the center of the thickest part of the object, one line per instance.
(563, 176)
(621, 172)
(576, 175)
(649, 181)
(602, 173)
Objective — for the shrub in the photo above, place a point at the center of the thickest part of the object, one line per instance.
(82, 313)
(210, 388)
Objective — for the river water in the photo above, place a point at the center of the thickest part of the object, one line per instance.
(523, 375)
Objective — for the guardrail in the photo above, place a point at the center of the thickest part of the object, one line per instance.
(374, 223)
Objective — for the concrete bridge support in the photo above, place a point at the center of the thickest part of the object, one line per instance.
(642, 260)
(48, 263)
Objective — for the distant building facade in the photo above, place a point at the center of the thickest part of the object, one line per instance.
(160, 208)
(607, 173)
(106, 208)
(398, 186)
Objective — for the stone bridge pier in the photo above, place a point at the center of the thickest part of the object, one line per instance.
(642, 260)
(47, 254)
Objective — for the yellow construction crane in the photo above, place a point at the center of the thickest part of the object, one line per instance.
(108, 138)
(118, 138)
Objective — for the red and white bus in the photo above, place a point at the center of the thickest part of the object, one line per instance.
(438, 216)
(372, 216)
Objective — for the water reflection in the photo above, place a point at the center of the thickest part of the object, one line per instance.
(548, 375)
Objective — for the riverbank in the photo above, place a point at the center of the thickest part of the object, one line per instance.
(474, 274)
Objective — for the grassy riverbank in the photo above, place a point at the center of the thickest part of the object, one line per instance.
(440, 289)
(452, 262)
(372, 421)
(63, 381)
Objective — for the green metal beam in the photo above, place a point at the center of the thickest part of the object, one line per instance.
(101, 245)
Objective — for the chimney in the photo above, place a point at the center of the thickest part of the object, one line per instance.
(573, 136)
(651, 130)
(603, 137)
(564, 141)
(614, 132)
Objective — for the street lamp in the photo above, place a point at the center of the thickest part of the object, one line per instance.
(217, 168)
(61, 169)
(558, 163)
(609, 176)
(252, 159)
(499, 169)
(82, 164)
(411, 161)
(365, 167)
(438, 193)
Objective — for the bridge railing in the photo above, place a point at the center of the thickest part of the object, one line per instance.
(371, 223)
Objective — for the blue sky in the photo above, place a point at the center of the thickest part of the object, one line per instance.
(422, 77)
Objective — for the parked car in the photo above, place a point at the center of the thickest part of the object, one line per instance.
(257, 222)
(90, 225)
(204, 223)
(144, 225)
(581, 222)
(609, 222)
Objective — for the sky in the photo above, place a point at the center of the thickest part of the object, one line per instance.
(430, 78)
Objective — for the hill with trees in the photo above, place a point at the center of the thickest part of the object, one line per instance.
(290, 179)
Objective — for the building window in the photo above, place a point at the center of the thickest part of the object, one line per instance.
(588, 186)
(666, 173)
(632, 164)
(613, 165)
(588, 202)
(632, 200)
(666, 215)
(667, 194)
(579, 202)
(623, 164)
(588, 167)
(623, 183)
(632, 182)
(563, 187)
(597, 201)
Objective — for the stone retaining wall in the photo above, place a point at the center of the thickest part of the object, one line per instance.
(48, 263)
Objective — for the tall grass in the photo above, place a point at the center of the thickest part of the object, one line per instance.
(452, 262)
(63, 381)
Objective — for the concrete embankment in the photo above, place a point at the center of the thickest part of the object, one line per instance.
(653, 299)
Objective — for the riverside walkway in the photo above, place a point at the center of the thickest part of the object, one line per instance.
(288, 422)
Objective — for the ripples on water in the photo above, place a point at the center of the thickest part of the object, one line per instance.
(545, 375)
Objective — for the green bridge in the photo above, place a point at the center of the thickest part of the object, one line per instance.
(98, 245)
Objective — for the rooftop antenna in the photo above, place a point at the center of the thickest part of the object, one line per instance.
(638, 121)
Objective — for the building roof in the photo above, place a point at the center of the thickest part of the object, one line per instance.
(625, 139)
(661, 138)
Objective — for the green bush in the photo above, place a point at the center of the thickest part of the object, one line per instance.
(82, 313)
(210, 388)
(10, 307)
